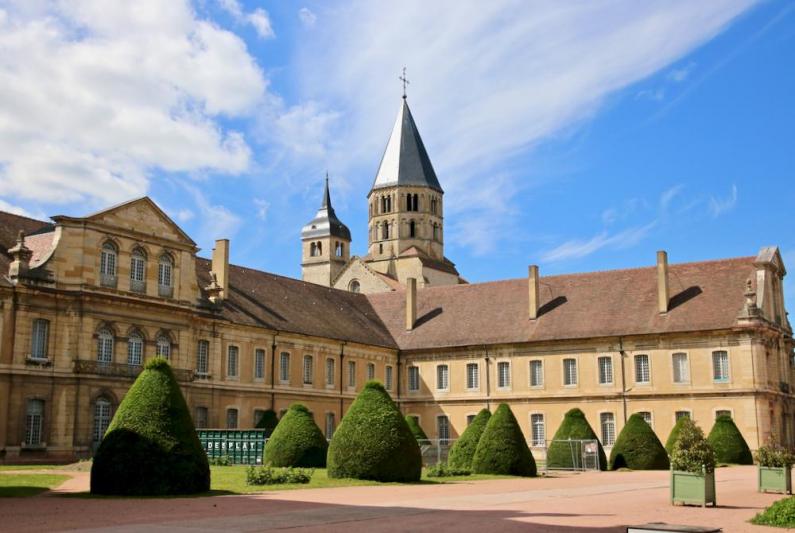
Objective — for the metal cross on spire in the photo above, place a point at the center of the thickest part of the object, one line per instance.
(405, 82)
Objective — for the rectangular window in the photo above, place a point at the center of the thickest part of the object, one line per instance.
(503, 374)
(720, 366)
(102, 410)
(231, 419)
(34, 422)
(259, 364)
(388, 378)
(681, 370)
(202, 418)
(105, 342)
(608, 429)
(39, 338)
(330, 371)
(642, 371)
(351, 373)
(470, 419)
(329, 425)
(258, 414)
(680, 414)
(203, 358)
(443, 429)
(414, 378)
(569, 372)
(284, 367)
(536, 373)
(538, 431)
(370, 371)
(473, 376)
(231, 361)
(646, 416)
(605, 370)
(309, 370)
(442, 377)
(723, 412)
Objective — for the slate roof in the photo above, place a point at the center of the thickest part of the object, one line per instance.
(326, 222)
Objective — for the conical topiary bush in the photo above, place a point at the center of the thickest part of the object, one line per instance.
(151, 446)
(373, 441)
(674, 435)
(728, 442)
(296, 441)
(638, 448)
(463, 450)
(415, 428)
(562, 454)
(268, 422)
(502, 448)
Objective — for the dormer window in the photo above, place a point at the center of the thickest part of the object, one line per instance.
(138, 271)
(165, 281)
(107, 265)
(354, 286)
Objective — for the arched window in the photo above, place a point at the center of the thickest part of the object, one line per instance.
(138, 271)
(416, 203)
(105, 346)
(339, 249)
(107, 265)
(408, 202)
(388, 204)
(435, 232)
(354, 286)
(412, 229)
(312, 250)
(165, 281)
(135, 349)
(102, 412)
(386, 230)
(163, 347)
(433, 206)
(319, 247)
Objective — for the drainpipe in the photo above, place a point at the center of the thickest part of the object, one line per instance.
(273, 372)
(623, 377)
(342, 371)
(488, 380)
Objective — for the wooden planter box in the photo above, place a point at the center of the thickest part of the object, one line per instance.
(693, 489)
(775, 479)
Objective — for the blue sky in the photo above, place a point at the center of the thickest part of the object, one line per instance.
(578, 136)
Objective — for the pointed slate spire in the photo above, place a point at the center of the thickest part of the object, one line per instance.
(326, 197)
(405, 161)
(326, 222)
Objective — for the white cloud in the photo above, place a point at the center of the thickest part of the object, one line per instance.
(307, 17)
(718, 206)
(263, 206)
(17, 210)
(258, 18)
(678, 75)
(577, 248)
(217, 221)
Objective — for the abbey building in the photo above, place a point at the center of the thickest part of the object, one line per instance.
(85, 301)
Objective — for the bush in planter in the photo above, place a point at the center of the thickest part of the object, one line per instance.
(151, 446)
(780, 514)
(464, 448)
(773, 455)
(415, 428)
(574, 427)
(692, 451)
(268, 422)
(297, 441)
(502, 448)
(728, 442)
(638, 448)
(373, 441)
(669, 444)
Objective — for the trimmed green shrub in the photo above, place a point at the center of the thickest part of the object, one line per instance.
(565, 455)
(373, 441)
(691, 451)
(780, 514)
(502, 448)
(638, 448)
(415, 428)
(774, 455)
(221, 460)
(151, 446)
(728, 442)
(296, 441)
(269, 475)
(669, 444)
(464, 448)
(445, 470)
(268, 422)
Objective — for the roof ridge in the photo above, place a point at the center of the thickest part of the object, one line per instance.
(24, 216)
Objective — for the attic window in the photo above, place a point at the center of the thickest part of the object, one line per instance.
(354, 286)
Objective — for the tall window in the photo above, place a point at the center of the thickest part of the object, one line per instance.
(680, 414)
(435, 231)
(232, 355)
(537, 429)
(386, 230)
(442, 377)
(259, 364)
(646, 416)
(284, 367)
(414, 378)
(536, 373)
(338, 249)
(101, 418)
(605, 370)
(104, 346)
(135, 349)
(370, 371)
(681, 370)
(313, 250)
(388, 377)
(258, 414)
(503, 374)
(329, 425)
(309, 370)
(330, 371)
(351, 373)
(202, 418)
(138, 271)
(720, 366)
(34, 422)
(473, 376)
(569, 372)
(107, 265)
(203, 358)
(231, 418)
(163, 347)
(433, 206)
(608, 428)
(443, 428)
(642, 371)
(165, 283)
(39, 338)
(470, 419)
(412, 229)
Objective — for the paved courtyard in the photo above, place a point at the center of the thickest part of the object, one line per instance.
(598, 502)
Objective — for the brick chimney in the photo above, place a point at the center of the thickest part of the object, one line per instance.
(21, 255)
(220, 269)
(411, 303)
(662, 282)
(532, 291)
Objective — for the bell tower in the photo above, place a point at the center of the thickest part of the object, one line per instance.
(325, 244)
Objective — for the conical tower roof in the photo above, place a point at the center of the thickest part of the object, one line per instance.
(326, 222)
(405, 161)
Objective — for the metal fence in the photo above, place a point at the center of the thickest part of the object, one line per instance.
(243, 447)
(435, 451)
(572, 454)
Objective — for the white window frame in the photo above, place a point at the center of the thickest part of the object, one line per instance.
(165, 272)
(40, 339)
(716, 410)
(650, 421)
(135, 349)
(638, 370)
(331, 371)
(506, 385)
(688, 411)
(330, 424)
(564, 376)
(260, 355)
(229, 411)
(163, 347)
(538, 440)
(612, 438)
(138, 271)
(443, 377)
(609, 359)
(443, 430)
(233, 362)
(532, 374)
(470, 417)
(370, 371)
(284, 368)
(351, 374)
(389, 377)
(34, 421)
(686, 380)
(198, 422)
(103, 413)
(203, 357)
(308, 370)
(474, 383)
(106, 344)
(727, 370)
(413, 378)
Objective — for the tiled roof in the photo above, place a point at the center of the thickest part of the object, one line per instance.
(10, 225)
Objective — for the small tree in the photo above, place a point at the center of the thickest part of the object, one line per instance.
(728, 442)
(575, 426)
(502, 448)
(297, 441)
(669, 444)
(415, 428)
(692, 451)
(268, 422)
(774, 455)
(464, 448)
(638, 448)
(373, 441)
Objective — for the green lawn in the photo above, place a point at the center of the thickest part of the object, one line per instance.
(27, 467)
(19, 485)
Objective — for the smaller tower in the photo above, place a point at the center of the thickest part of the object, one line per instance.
(326, 244)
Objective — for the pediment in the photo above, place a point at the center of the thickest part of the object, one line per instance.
(142, 216)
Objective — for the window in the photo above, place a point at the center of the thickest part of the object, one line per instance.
(231, 418)
(313, 250)
(135, 349)
(538, 431)
(503, 374)
(723, 412)
(720, 366)
(605, 370)
(319, 247)
(138, 271)
(646, 416)
(608, 429)
(34, 422)
(330, 364)
(259, 364)
(681, 370)
(258, 414)
(338, 250)
(104, 346)
(433, 206)
(329, 425)
(536, 373)
(470, 419)
(107, 265)
(443, 429)
(39, 338)
(435, 231)
(284, 367)
(473, 376)
(370, 371)
(354, 286)
(570, 372)
(232, 353)
(351, 373)
(414, 378)
(680, 414)
(309, 370)
(442, 377)
(164, 276)
(388, 378)
(101, 418)
(642, 373)
(412, 229)
(416, 203)
(203, 358)
(386, 230)
(163, 347)
(202, 418)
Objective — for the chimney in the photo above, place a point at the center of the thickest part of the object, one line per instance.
(532, 291)
(411, 303)
(21, 255)
(220, 267)
(662, 281)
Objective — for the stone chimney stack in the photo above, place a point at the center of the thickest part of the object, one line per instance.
(662, 282)
(411, 303)
(21, 255)
(532, 291)
(220, 268)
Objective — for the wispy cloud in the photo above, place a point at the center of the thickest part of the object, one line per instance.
(259, 18)
(680, 74)
(262, 208)
(216, 220)
(576, 248)
(721, 205)
(307, 17)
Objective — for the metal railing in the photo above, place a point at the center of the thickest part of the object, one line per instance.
(576, 455)
(121, 370)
